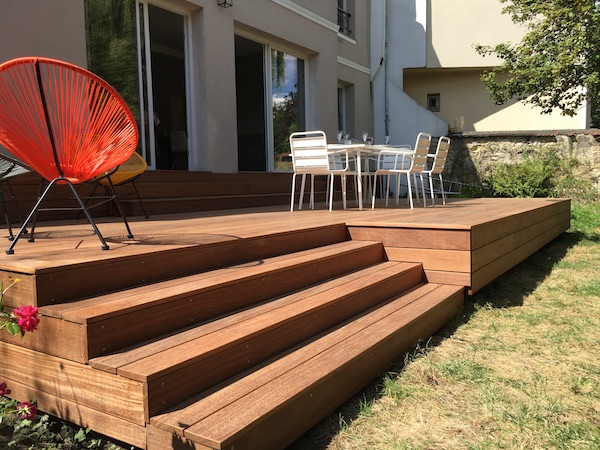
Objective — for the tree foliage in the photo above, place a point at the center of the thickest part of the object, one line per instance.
(557, 63)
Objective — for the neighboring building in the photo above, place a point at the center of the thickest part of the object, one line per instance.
(214, 89)
(429, 65)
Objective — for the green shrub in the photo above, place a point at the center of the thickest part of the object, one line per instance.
(540, 174)
(532, 177)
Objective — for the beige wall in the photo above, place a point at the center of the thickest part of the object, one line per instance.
(463, 94)
(455, 26)
(54, 29)
(308, 29)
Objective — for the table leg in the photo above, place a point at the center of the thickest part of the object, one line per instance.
(359, 176)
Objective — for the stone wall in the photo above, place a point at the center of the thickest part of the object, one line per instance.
(474, 154)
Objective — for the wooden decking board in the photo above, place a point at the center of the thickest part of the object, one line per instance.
(158, 256)
(313, 382)
(278, 313)
(112, 325)
(510, 259)
(79, 383)
(174, 261)
(114, 304)
(198, 408)
(486, 254)
(55, 337)
(76, 412)
(198, 365)
(446, 277)
(411, 238)
(510, 223)
(433, 259)
(112, 363)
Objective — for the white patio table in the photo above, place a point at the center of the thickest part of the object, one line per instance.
(360, 150)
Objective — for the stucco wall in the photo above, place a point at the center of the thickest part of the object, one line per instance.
(55, 29)
(473, 155)
(455, 26)
(463, 94)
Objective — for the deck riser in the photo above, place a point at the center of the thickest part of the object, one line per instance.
(170, 314)
(301, 413)
(172, 388)
(76, 383)
(87, 280)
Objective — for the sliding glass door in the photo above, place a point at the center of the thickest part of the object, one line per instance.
(270, 86)
(162, 62)
(140, 49)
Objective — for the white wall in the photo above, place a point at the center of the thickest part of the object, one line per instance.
(401, 30)
(456, 26)
(54, 29)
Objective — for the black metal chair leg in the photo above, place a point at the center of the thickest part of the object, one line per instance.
(119, 208)
(140, 199)
(6, 216)
(9, 250)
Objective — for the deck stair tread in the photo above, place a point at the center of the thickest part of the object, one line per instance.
(155, 350)
(115, 320)
(103, 306)
(279, 401)
(304, 307)
(196, 359)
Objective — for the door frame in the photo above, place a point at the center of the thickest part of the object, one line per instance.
(268, 88)
(148, 148)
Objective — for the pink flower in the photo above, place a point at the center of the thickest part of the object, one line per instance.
(4, 390)
(26, 410)
(27, 315)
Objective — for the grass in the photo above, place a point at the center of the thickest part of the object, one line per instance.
(518, 369)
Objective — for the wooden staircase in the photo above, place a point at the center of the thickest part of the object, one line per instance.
(204, 191)
(249, 352)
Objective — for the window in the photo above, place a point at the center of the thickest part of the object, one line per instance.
(343, 17)
(341, 98)
(433, 102)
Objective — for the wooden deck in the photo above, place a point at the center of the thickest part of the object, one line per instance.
(244, 328)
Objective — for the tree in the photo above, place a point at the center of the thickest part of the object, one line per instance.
(557, 63)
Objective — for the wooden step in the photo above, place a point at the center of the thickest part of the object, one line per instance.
(113, 321)
(73, 279)
(172, 205)
(273, 404)
(195, 360)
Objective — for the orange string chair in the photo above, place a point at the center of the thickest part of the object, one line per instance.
(66, 123)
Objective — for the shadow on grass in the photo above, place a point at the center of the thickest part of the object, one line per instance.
(507, 291)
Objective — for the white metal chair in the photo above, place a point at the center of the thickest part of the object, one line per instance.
(402, 162)
(311, 157)
(437, 167)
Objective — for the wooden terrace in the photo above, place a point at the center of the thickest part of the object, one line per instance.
(244, 328)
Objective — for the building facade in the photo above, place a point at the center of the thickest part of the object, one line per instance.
(221, 88)
(430, 66)
(214, 88)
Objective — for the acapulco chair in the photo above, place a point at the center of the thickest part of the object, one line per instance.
(66, 124)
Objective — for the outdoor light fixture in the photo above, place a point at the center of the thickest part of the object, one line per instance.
(225, 3)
